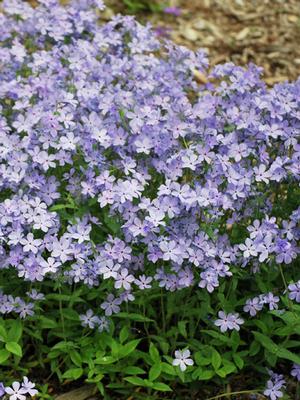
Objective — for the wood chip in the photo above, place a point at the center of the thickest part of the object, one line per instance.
(190, 34)
(243, 34)
(82, 393)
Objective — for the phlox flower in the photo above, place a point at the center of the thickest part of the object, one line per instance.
(182, 359)
(228, 321)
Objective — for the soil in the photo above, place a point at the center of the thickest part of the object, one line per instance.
(266, 32)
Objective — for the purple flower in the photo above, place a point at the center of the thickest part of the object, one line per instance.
(274, 386)
(170, 251)
(30, 244)
(253, 305)
(228, 321)
(163, 31)
(294, 291)
(249, 248)
(16, 392)
(2, 389)
(124, 280)
(111, 305)
(29, 387)
(173, 11)
(89, 319)
(273, 390)
(143, 282)
(296, 371)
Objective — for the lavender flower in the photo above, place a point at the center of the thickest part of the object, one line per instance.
(228, 321)
(274, 386)
(173, 11)
(296, 371)
(2, 389)
(89, 319)
(111, 305)
(16, 392)
(252, 306)
(294, 291)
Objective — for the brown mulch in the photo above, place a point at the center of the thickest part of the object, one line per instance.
(266, 32)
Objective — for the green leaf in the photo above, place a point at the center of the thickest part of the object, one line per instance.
(201, 360)
(64, 297)
(106, 360)
(14, 348)
(254, 348)
(217, 335)
(3, 334)
(266, 342)
(154, 353)
(216, 359)
(135, 380)
(288, 355)
(15, 331)
(235, 337)
(162, 387)
(168, 369)
(64, 346)
(227, 369)
(112, 223)
(204, 375)
(70, 314)
(155, 371)
(47, 323)
(4, 354)
(58, 207)
(132, 317)
(128, 348)
(73, 373)
(238, 361)
(182, 328)
(124, 333)
(133, 370)
(76, 358)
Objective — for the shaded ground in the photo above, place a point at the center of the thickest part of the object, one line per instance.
(266, 32)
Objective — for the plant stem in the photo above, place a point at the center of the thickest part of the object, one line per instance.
(283, 277)
(163, 311)
(62, 315)
(233, 394)
(286, 287)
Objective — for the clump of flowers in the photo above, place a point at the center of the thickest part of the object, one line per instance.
(121, 175)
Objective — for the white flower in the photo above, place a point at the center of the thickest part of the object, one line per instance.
(16, 392)
(182, 359)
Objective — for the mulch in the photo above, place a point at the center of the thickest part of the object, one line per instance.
(266, 32)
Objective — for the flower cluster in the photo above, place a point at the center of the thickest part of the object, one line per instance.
(256, 304)
(274, 386)
(228, 321)
(18, 391)
(90, 320)
(97, 120)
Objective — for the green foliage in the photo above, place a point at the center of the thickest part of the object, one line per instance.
(139, 347)
(136, 6)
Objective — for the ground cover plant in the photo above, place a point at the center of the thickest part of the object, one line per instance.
(148, 224)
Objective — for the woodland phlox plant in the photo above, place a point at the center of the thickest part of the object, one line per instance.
(139, 204)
